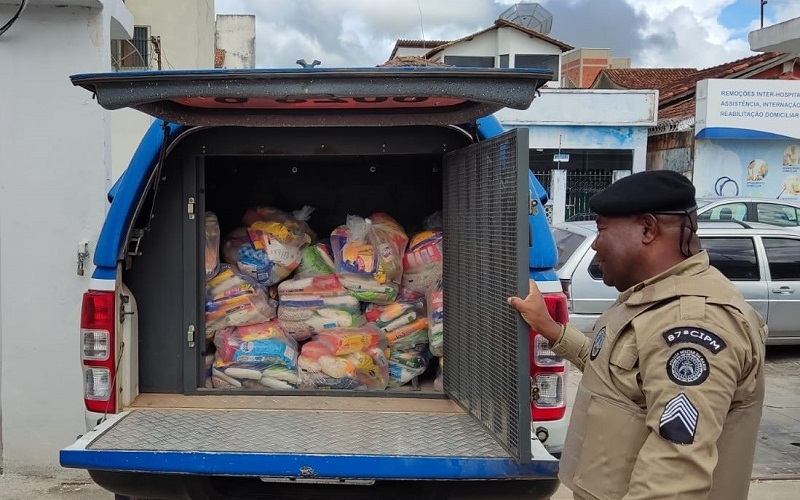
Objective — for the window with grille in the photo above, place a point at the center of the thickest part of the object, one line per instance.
(133, 54)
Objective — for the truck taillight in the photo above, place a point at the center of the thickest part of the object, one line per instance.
(97, 351)
(548, 371)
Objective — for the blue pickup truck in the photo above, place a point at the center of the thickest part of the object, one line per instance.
(405, 141)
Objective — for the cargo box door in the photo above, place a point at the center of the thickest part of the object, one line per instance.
(486, 254)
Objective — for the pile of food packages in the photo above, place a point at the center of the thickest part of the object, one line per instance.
(285, 309)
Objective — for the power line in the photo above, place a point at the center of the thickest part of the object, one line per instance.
(14, 18)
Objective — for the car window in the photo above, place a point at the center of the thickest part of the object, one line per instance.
(566, 243)
(778, 215)
(734, 257)
(728, 211)
(783, 255)
(594, 269)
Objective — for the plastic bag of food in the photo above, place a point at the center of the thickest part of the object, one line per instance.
(273, 245)
(422, 261)
(405, 325)
(435, 318)
(233, 299)
(406, 364)
(310, 305)
(344, 358)
(298, 218)
(368, 254)
(233, 241)
(262, 353)
(212, 245)
(316, 260)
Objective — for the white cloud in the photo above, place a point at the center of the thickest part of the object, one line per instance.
(663, 33)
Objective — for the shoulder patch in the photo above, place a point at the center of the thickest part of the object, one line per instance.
(687, 367)
(694, 335)
(598, 343)
(678, 423)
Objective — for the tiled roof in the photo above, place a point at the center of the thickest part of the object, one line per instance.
(416, 44)
(420, 44)
(502, 23)
(727, 70)
(677, 100)
(645, 78)
(678, 110)
(398, 61)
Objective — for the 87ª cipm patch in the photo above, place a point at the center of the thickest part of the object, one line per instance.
(687, 367)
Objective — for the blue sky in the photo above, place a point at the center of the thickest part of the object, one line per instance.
(739, 15)
(653, 33)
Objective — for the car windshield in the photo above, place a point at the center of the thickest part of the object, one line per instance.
(566, 243)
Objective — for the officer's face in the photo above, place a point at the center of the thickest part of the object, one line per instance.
(618, 246)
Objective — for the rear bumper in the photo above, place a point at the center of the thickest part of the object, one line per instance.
(182, 487)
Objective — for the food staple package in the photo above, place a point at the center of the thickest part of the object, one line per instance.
(316, 260)
(422, 261)
(255, 356)
(270, 247)
(405, 326)
(345, 358)
(312, 304)
(435, 303)
(233, 299)
(368, 254)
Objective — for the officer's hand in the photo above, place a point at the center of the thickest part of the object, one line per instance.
(534, 313)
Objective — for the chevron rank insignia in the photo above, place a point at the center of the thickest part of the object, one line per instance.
(679, 421)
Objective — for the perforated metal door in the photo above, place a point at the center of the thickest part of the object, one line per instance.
(486, 246)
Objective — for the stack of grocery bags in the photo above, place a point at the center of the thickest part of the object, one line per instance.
(285, 310)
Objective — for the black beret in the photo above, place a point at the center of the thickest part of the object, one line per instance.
(645, 192)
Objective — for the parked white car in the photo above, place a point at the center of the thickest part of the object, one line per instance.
(763, 261)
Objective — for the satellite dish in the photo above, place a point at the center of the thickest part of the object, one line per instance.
(530, 15)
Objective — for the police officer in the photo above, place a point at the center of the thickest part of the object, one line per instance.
(673, 383)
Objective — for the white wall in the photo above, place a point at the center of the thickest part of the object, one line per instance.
(588, 119)
(236, 35)
(54, 159)
(186, 29)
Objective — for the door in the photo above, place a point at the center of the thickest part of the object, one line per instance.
(783, 259)
(318, 97)
(486, 244)
(736, 258)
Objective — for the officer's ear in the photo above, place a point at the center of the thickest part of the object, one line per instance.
(650, 228)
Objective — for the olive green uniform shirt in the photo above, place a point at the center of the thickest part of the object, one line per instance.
(670, 399)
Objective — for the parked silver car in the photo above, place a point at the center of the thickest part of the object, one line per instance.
(777, 212)
(763, 261)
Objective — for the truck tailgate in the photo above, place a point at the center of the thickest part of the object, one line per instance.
(439, 442)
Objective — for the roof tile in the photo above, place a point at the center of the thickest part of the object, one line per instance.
(645, 78)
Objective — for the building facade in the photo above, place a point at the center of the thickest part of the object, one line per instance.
(54, 165)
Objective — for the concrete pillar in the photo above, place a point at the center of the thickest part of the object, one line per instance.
(558, 193)
(619, 174)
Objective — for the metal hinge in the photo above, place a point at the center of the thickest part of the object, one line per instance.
(190, 208)
(190, 336)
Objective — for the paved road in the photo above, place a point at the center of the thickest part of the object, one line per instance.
(776, 471)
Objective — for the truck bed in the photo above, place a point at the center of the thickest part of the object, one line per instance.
(371, 438)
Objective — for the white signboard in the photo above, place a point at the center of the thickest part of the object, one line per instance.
(747, 109)
(560, 157)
